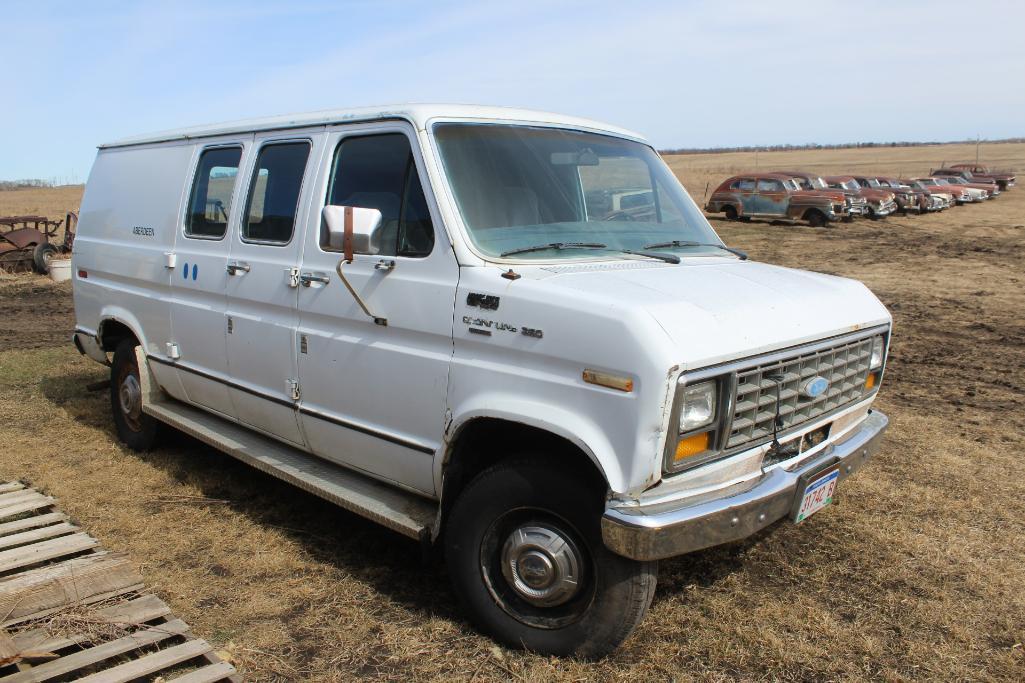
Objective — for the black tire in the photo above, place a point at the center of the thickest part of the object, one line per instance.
(731, 212)
(815, 218)
(41, 257)
(526, 498)
(135, 429)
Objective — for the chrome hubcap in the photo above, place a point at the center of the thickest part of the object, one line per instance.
(130, 394)
(541, 565)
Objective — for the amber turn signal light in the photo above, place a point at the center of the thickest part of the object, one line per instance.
(871, 380)
(692, 445)
(604, 379)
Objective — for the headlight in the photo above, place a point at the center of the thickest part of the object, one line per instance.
(877, 354)
(696, 440)
(698, 409)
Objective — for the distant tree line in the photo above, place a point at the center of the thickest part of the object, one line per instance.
(813, 145)
(27, 183)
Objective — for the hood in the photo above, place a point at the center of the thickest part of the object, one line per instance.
(988, 187)
(716, 309)
(873, 194)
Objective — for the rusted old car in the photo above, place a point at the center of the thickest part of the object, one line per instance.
(856, 204)
(959, 195)
(938, 195)
(1003, 179)
(966, 179)
(776, 196)
(881, 203)
(907, 198)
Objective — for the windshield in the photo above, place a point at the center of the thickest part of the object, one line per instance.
(872, 182)
(519, 187)
(953, 180)
(792, 184)
(939, 181)
(850, 185)
(817, 183)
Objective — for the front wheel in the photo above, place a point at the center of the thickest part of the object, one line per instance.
(136, 429)
(524, 550)
(815, 218)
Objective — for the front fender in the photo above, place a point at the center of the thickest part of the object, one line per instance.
(578, 429)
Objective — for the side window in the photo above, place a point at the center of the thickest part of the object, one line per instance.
(745, 185)
(769, 185)
(210, 202)
(378, 172)
(274, 192)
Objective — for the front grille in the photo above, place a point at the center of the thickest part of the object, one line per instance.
(845, 366)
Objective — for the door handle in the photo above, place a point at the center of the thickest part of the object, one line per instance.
(235, 266)
(308, 279)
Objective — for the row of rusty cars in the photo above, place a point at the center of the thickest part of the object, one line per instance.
(820, 200)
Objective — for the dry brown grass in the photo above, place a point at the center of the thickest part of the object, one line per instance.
(917, 574)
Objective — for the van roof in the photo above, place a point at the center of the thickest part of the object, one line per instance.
(417, 114)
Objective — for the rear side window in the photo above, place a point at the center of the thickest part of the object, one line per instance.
(378, 172)
(274, 193)
(769, 185)
(210, 203)
(744, 184)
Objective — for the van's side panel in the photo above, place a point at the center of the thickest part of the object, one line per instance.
(199, 314)
(126, 227)
(262, 300)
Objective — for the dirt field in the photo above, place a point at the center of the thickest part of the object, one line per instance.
(918, 573)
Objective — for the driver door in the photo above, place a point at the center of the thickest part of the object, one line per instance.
(373, 396)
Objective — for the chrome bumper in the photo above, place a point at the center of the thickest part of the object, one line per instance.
(884, 210)
(630, 532)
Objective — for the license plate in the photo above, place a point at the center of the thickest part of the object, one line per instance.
(817, 495)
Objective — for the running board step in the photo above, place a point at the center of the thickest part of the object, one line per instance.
(399, 510)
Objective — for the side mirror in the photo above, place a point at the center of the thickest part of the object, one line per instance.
(353, 229)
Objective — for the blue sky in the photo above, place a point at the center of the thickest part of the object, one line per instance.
(686, 74)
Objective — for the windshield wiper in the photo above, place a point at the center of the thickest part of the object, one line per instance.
(668, 258)
(555, 245)
(687, 243)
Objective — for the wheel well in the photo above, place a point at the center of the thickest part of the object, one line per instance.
(811, 211)
(484, 442)
(112, 332)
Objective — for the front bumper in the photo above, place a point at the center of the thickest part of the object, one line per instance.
(632, 533)
(884, 209)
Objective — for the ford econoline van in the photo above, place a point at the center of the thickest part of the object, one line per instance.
(509, 333)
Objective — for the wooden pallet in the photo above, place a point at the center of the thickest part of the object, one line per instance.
(70, 610)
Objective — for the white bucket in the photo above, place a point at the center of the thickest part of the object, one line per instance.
(60, 270)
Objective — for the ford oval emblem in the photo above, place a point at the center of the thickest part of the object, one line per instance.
(815, 387)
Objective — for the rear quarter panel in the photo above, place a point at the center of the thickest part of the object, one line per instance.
(129, 216)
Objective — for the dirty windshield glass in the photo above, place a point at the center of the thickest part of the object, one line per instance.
(546, 193)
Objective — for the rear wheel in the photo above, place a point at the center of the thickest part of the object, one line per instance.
(815, 218)
(524, 549)
(731, 212)
(136, 429)
(41, 257)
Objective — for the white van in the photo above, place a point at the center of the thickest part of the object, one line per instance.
(508, 331)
